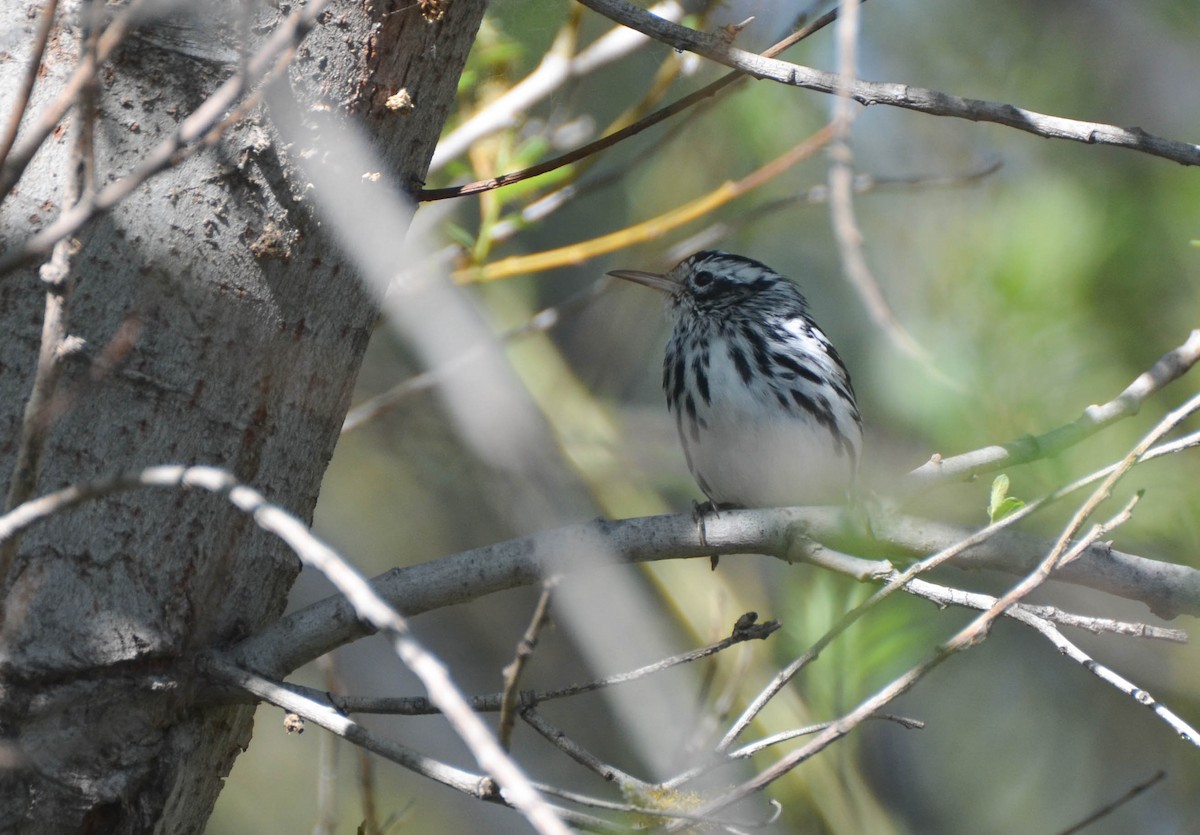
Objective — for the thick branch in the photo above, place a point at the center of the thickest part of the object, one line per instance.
(1168, 589)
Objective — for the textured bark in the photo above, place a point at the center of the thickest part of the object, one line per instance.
(238, 330)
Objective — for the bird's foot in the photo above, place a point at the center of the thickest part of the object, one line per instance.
(701, 511)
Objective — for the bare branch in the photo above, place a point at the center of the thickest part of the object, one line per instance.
(904, 96)
(366, 604)
(604, 142)
(1062, 552)
(1116, 804)
(557, 67)
(58, 276)
(19, 157)
(9, 136)
(753, 748)
(647, 230)
(581, 755)
(1167, 588)
(320, 712)
(513, 670)
(882, 571)
(945, 596)
(1170, 367)
(629, 784)
(746, 629)
(1181, 728)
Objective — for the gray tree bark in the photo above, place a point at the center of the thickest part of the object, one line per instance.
(210, 322)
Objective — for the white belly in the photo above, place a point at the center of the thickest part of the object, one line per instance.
(751, 450)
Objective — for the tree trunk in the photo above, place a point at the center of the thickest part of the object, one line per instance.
(210, 322)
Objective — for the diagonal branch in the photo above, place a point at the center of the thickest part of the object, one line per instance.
(604, 142)
(559, 65)
(373, 612)
(18, 157)
(746, 629)
(651, 229)
(512, 671)
(1170, 367)
(1063, 553)
(317, 708)
(933, 102)
(9, 135)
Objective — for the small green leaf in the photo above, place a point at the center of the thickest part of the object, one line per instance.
(1001, 504)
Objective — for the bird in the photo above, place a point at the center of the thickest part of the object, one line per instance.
(763, 404)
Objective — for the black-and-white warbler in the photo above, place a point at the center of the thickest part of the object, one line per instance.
(762, 401)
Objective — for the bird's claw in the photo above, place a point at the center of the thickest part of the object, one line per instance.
(699, 511)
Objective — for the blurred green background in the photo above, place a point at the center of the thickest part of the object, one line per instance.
(1038, 290)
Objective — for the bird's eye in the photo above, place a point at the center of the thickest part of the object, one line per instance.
(702, 279)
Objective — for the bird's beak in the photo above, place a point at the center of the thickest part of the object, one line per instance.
(654, 281)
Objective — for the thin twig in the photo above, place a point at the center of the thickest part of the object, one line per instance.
(1170, 367)
(975, 631)
(647, 230)
(326, 813)
(58, 276)
(417, 706)
(862, 184)
(31, 73)
(628, 784)
(904, 96)
(559, 65)
(604, 142)
(512, 671)
(752, 748)
(1181, 728)
(780, 679)
(320, 712)
(841, 202)
(1116, 804)
(878, 571)
(19, 157)
(559, 739)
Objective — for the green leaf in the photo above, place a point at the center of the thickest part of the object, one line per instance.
(1001, 504)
